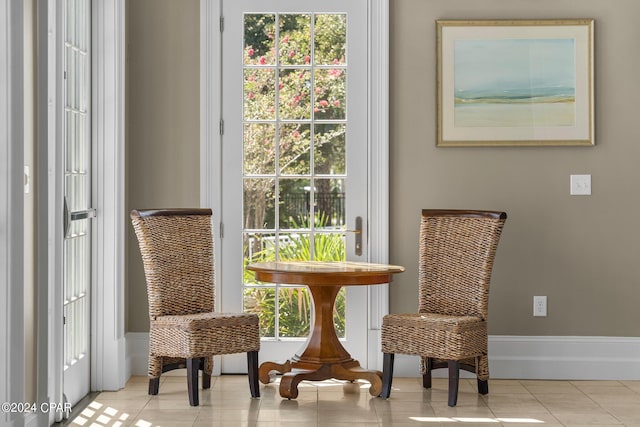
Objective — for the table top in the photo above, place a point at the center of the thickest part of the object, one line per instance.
(324, 273)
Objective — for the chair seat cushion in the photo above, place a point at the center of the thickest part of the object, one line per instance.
(434, 335)
(203, 334)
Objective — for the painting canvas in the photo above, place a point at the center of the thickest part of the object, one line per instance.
(515, 83)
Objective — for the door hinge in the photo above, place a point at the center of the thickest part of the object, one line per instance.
(221, 230)
(221, 127)
(221, 23)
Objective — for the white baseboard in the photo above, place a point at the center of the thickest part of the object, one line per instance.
(554, 358)
(510, 357)
(137, 353)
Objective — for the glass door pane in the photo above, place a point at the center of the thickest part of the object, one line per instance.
(77, 193)
(294, 120)
(294, 160)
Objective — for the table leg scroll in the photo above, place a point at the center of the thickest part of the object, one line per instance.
(267, 369)
(358, 373)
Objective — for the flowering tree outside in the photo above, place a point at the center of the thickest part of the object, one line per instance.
(294, 146)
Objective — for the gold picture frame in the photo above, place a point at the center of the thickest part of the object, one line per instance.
(515, 83)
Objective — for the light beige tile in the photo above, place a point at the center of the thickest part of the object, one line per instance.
(520, 417)
(633, 385)
(167, 417)
(587, 417)
(515, 402)
(550, 387)
(124, 394)
(509, 403)
(285, 424)
(441, 409)
(356, 423)
(120, 404)
(218, 423)
(506, 387)
(406, 385)
(300, 415)
(384, 407)
(105, 416)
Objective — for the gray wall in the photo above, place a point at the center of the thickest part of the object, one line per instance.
(163, 122)
(579, 251)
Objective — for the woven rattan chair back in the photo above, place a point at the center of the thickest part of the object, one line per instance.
(184, 331)
(177, 254)
(457, 250)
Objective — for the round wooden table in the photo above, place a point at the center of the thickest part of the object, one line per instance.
(323, 356)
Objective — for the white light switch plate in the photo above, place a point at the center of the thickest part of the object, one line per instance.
(580, 185)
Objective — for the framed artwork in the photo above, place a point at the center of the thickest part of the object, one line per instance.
(515, 83)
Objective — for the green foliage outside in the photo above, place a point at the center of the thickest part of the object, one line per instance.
(294, 304)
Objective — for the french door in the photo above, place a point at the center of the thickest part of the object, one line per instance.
(294, 161)
(77, 225)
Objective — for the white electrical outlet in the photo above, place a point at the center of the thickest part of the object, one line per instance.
(580, 185)
(540, 306)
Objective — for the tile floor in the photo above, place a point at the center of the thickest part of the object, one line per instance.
(333, 403)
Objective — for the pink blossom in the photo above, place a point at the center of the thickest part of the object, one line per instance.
(280, 85)
(336, 103)
(336, 62)
(251, 52)
(323, 103)
(307, 59)
(316, 109)
(286, 39)
(251, 95)
(318, 91)
(251, 78)
(292, 54)
(296, 134)
(335, 73)
(262, 60)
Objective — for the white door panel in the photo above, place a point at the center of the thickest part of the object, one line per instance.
(294, 158)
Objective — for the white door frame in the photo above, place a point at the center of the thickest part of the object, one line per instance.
(108, 363)
(378, 124)
(11, 208)
(109, 371)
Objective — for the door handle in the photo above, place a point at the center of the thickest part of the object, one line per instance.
(358, 232)
(74, 216)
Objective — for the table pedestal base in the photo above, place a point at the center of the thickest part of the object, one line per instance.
(295, 371)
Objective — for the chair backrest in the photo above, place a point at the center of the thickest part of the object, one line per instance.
(177, 253)
(457, 249)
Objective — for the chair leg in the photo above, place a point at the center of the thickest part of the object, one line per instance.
(206, 377)
(192, 381)
(252, 365)
(154, 386)
(454, 379)
(387, 375)
(426, 377)
(483, 386)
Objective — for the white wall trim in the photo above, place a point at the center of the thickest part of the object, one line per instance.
(50, 122)
(11, 208)
(510, 357)
(137, 345)
(210, 116)
(378, 164)
(108, 362)
(552, 357)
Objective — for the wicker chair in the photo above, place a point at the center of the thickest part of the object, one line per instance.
(177, 253)
(457, 250)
